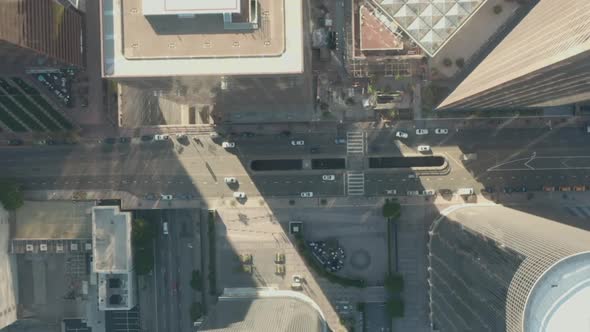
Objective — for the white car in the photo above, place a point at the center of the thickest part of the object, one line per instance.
(228, 145)
(391, 192)
(239, 194)
(423, 148)
(166, 197)
(298, 143)
(162, 137)
(230, 179)
(401, 134)
(421, 131)
(328, 177)
(413, 193)
(213, 134)
(441, 131)
(180, 135)
(429, 192)
(307, 194)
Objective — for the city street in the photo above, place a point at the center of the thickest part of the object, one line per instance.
(505, 158)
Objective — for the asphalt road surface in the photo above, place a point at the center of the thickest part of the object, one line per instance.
(505, 157)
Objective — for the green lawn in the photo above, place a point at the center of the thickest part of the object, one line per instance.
(37, 98)
(10, 122)
(37, 112)
(20, 114)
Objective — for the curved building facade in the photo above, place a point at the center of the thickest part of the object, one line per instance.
(493, 268)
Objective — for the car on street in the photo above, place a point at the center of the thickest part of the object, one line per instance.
(15, 141)
(401, 134)
(423, 148)
(297, 282)
(285, 133)
(297, 142)
(161, 137)
(429, 192)
(166, 197)
(580, 188)
(340, 140)
(124, 140)
(421, 131)
(507, 190)
(446, 192)
(307, 194)
(328, 177)
(230, 179)
(165, 228)
(489, 190)
(565, 188)
(228, 145)
(390, 192)
(150, 197)
(180, 135)
(247, 134)
(147, 138)
(186, 196)
(413, 193)
(213, 134)
(412, 176)
(109, 140)
(239, 194)
(314, 150)
(548, 188)
(522, 189)
(441, 131)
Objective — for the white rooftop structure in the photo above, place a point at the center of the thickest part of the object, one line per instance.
(430, 23)
(190, 7)
(274, 46)
(112, 258)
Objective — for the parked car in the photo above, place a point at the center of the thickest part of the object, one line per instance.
(150, 197)
(213, 134)
(390, 192)
(314, 150)
(421, 131)
(401, 134)
(186, 196)
(548, 188)
(239, 194)
(285, 133)
(489, 190)
(124, 140)
(297, 142)
(429, 192)
(580, 188)
(413, 193)
(180, 135)
(565, 188)
(307, 194)
(441, 131)
(228, 145)
(329, 177)
(248, 134)
(110, 140)
(340, 140)
(230, 179)
(446, 192)
(15, 141)
(161, 137)
(147, 138)
(166, 197)
(423, 148)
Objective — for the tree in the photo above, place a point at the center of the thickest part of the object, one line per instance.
(11, 196)
(394, 283)
(447, 62)
(196, 311)
(196, 280)
(497, 9)
(142, 240)
(391, 209)
(395, 307)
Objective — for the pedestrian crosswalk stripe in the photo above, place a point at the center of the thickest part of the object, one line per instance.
(355, 142)
(355, 183)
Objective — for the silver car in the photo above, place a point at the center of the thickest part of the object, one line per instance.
(307, 194)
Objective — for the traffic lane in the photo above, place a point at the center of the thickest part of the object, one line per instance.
(294, 185)
(272, 145)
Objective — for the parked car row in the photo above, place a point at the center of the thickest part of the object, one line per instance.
(168, 197)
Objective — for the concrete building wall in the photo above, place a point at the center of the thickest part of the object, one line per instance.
(8, 275)
(43, 28)
(543, 60)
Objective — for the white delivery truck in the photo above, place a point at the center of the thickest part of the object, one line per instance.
(465, 191)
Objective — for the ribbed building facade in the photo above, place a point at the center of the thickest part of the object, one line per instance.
(40, 32)
(489, 268)
(543, 61)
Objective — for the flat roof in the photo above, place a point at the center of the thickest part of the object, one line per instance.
(175, 7)
(111, 237)
(201, 36)
(135, 46)
(430, 23)
(44, 220)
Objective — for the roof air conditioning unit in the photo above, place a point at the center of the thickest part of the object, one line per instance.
(74, 247)
(43, 247)
(29, 247)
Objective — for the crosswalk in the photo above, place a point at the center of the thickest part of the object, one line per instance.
(355, 142)
(578, 211)
(355, 183)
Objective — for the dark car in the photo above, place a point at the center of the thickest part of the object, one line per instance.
(446, 192)
(285, 133)
(50, 142)
(314, 150)
(110, 140)
(15, 141)
(508, 190)
(248, 134)
(489, 190)
(522, 189)
(147, 138)
(124, 140)
(150, 197)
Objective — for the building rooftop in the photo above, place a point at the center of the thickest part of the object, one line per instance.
(176, 7)
(252, 41)
(38, 220)
(111, 235)
(376, 32)
(269, 310)
(430, 23)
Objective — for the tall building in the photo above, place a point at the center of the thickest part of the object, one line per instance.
(40, 33)
(492, 268)
(162, 38)
(543, 61)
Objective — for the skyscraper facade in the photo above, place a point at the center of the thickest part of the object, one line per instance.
(41, 32)
(543, 61)
(493, 268)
